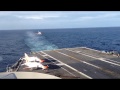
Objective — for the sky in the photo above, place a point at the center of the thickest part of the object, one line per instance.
(13, 20)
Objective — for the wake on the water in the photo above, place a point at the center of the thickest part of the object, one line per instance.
(38, 42)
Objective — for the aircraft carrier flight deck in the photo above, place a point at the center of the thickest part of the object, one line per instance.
(78, 63)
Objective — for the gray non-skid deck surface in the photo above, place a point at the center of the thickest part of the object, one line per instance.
(79, 63)
(105, 66)
(95, 53)
(54, 69)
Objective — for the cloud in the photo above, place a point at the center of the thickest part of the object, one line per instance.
(30, 17)
(99, 17)
(37, 17)
(33, 15)
(55, 19)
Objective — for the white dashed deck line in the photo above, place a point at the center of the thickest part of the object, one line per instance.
(79, 60)
(44, 55)
(96, 58)
(84, 69)
(92, 49)
(69, 66)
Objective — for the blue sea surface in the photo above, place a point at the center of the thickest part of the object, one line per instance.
(14, 43)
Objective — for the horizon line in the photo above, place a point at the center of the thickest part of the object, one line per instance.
(65, 28)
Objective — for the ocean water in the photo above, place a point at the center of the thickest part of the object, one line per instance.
(14, 43)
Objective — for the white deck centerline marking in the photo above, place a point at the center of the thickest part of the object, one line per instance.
(92, 49)
(111, 60)
(70, 67)
(43, 55)
(96, 58)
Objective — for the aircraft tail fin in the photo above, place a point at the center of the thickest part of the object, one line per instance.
(26, 57)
